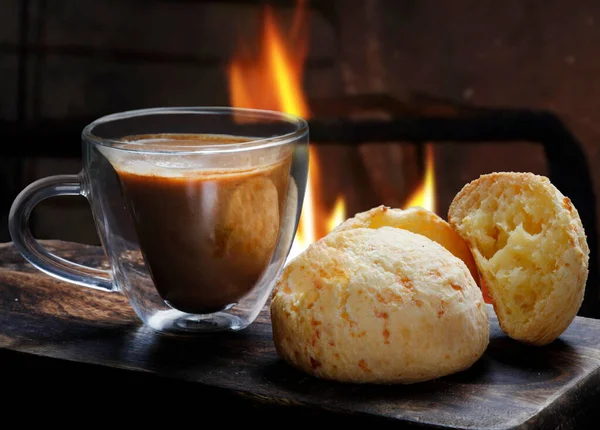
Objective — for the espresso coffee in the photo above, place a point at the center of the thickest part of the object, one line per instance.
(206, 234)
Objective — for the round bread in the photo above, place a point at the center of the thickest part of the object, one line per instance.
(378, 305)
(247, 230)
(420, 221)
(530, 248)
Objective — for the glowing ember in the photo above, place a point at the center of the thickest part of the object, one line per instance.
(273, 80)
(424, 194)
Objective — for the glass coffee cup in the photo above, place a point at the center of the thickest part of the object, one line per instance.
(196, 209)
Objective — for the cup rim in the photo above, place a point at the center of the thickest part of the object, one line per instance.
(252, 144)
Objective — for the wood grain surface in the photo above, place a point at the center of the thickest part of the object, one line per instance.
(511, 386)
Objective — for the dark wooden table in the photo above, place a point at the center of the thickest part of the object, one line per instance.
(69, 352)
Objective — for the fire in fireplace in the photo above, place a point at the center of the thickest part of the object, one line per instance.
(424, 194)
(270, 76)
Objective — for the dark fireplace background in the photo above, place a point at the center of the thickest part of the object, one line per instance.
(64, 62)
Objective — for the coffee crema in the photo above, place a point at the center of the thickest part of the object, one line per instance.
(207, 235)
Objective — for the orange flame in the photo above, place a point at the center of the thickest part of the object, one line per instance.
(424, 194)
(273, 80)
(338, 215)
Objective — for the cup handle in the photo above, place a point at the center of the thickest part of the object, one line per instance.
(33, 251)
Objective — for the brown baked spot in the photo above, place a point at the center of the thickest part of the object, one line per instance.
(331, 343)
(336, 355)
(456, 287)
(346, 318)
(344, 314)
(567, 204)
(386, 336)
(418, 302)
(442, 309)
(315, 364)
(404, 281)
(363, 365)
(384, 316)
(286, 289)
(315, 323)
(318, 284)
(388, 296)
(359, 334)
(316, 336)
(339, 273)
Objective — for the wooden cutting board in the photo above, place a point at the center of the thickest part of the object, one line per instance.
(511, 386)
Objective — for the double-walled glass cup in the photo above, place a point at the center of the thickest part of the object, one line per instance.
(196, 209)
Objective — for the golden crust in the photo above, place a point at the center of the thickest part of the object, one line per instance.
(417, 220)
(530, 248)
(378, 305)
